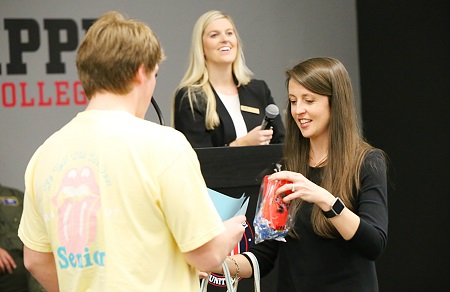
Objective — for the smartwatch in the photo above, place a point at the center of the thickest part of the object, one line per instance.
(336, 208)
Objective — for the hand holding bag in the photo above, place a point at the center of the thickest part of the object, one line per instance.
(232, 283)
(272, 218)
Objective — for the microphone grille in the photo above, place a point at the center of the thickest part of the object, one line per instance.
(272, 111)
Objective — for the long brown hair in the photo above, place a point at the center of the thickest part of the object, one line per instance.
(346, 149)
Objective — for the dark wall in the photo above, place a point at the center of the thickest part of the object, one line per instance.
(405, 88)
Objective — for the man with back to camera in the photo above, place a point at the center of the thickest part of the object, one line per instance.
(114, 202)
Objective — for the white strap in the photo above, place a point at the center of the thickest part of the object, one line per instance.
(204, 285)
(256, 272)
(232, 284)
(228, 280)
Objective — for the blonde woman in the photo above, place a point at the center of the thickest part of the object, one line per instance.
(217, 102)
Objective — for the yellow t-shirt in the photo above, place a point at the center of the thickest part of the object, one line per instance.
(118, 199)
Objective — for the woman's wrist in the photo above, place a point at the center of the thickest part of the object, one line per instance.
(328, 200)
(236, 267)
(235, 143)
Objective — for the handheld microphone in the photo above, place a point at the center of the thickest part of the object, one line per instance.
(272, 112)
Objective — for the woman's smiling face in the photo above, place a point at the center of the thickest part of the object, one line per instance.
(220, 42)
(311, 111)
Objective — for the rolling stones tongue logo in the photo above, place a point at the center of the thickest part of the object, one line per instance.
(77, 201)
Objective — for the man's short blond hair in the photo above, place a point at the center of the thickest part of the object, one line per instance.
(112, 51)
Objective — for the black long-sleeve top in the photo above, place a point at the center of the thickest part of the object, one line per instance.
(314, 263)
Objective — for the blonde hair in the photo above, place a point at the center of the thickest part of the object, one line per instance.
(112, 51)
(196, 78)
(347, 148)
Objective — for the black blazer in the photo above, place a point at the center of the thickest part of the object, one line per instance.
(255, 95)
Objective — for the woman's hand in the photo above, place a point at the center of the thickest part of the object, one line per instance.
(303, 188)
(346, 224)
(256, 137)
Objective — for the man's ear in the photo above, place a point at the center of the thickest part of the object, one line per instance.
(141, 74)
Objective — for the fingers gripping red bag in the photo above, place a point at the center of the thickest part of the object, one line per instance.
(272, 219)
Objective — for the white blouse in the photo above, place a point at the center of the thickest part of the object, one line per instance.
(233, 107)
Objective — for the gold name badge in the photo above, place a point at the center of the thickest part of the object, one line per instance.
(249, 109)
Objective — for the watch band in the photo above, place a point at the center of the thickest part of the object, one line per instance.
(336, 208)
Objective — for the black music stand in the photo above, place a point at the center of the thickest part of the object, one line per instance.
(237, 170)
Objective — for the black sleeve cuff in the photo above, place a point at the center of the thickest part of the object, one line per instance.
(250, 261)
